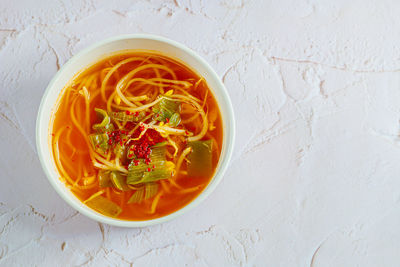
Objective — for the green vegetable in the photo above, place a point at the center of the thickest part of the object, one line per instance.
(99, 142)
(122, 116)
(143, 173)
(104, 206)
(175, 119)
(105, 125)
(165, 109)
(158, 154)
(112, 179)
(119, 181)
(104, 179)
(157, 174)
(151, 190)
(135, 172)
(160, 144)
(161, 171)
(121, 152)
(145, 192)
(137, 197)
(200, 159)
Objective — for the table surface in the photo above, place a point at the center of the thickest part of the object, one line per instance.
(314, 179)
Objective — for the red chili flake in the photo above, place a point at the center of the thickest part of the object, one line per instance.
(128, 112)
(136, 163)
(52, 134)
(130, 125)
(142, 147)
(167, 120)
(136, 114)
(148, 169)
(186, 132)
(110, 141)
(154, 166)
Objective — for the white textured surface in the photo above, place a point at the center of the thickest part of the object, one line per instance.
(315, 178)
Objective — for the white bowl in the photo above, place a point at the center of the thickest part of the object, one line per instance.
(94, 53)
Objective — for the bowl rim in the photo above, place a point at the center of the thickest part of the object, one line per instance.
(217, 177)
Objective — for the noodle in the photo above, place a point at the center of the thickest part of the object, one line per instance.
(181, 158)
(155, 202)
(121, 84)
(112, 70)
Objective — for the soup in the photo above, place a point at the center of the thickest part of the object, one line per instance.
(137, 135)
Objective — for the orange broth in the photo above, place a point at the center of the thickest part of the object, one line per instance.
(74, 150)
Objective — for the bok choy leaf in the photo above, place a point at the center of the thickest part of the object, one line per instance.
(104, 179)
(151, 190)
(119, 181)
(137, 197)
(140, 172)
(123, 116)
(136, 170)
(200, 159)
(99, 142)
(165, 109)
(104, 206)
(105, 125)
(112, 179)
(147, 191)
(175, 119)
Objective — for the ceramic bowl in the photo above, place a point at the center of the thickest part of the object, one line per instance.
(89, 56)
